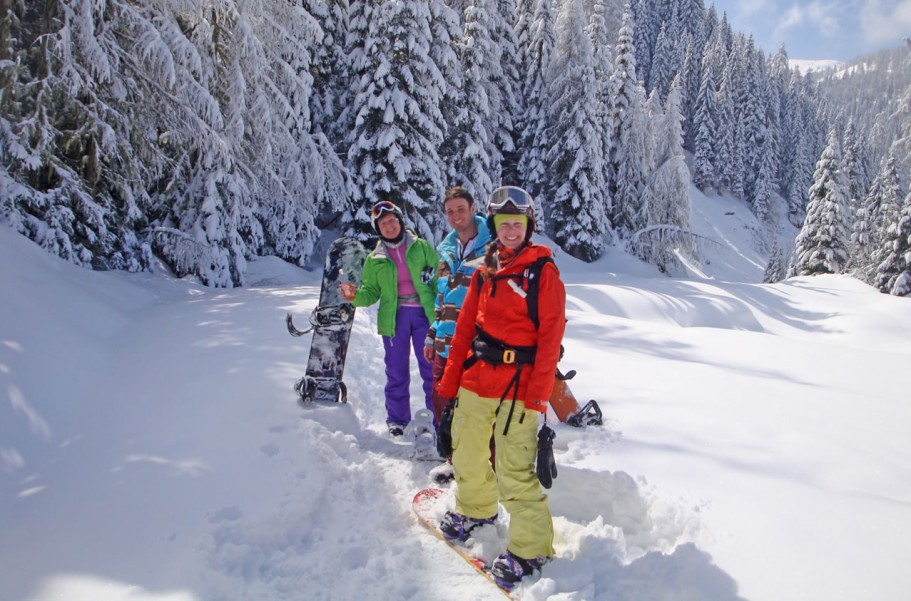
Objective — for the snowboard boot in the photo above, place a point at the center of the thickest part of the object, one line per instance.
(457, 527)
(508, 569)
(396, 429)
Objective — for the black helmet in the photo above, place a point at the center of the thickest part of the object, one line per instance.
(511, 200)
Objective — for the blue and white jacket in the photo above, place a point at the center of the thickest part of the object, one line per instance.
(453, 277)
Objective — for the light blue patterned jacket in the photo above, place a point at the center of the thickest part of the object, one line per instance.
(453, 277)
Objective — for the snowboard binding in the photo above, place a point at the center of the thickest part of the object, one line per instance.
(323, 389)
(325, 316)
(589, 415)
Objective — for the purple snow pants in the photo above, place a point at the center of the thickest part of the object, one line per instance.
(411, 327)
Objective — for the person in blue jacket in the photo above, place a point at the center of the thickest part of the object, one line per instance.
(461, 251)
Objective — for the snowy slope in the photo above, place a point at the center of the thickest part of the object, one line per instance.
(151, 448)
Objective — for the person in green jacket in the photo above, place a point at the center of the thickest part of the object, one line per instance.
(400, 273)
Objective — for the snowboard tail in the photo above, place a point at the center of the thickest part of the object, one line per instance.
(424, 504)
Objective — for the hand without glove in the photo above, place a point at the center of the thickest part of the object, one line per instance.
(347, 291)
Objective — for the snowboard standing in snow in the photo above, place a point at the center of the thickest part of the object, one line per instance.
(565, 405)
(330, 323)
(423, 505)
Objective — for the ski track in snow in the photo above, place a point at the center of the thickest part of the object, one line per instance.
(330, 522)
(346, 485)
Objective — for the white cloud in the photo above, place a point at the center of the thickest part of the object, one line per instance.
(751, 7)
(821, 16)
(881, 24)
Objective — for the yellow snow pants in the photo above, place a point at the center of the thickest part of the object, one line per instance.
(515, 483)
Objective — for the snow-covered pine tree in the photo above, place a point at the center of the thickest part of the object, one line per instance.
(692, 20)
(772, 152)
(308, 185)
(667, 59)
(522, 33)
(724, 34)
(646, 22)
(728, 165)
(738, 179)
(71, 140)
(329, 66)
(360, 14)
(857, 162)
(667, 235)
(446, 33)
(510, 86)
(851, 171)
(757, 145)
(398, 124)
(254, 188)
(705, 126)
(630, 163)
(535, 119)
(776, 269)
(710, 25)
(218, 198)
(822, 244)
(903, 117)
(800, 142)
(691, 78)
(602, 61)
(468, 140)
(893, 274)
(575, 186)
(503, 88)
(762, 189)
(880, 213)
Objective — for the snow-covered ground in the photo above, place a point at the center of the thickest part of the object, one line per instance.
(151, 448)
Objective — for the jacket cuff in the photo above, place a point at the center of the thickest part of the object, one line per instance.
(540, 406)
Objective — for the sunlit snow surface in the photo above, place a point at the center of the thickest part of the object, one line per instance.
(151, 449)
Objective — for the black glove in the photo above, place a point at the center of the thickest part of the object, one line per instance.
(545, 466)
(444, 435)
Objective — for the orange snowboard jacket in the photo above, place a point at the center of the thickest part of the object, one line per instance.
(500, 308)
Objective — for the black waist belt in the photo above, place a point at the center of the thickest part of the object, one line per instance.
(496, 352)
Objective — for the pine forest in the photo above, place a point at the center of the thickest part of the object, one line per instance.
(203, 133)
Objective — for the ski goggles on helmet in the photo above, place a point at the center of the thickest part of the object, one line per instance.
(383, 207)
(510, 197)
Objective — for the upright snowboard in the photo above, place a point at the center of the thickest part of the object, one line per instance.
(330, 323)
(564, 403)
(425, 505)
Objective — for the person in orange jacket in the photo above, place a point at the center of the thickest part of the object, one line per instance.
(501, 368)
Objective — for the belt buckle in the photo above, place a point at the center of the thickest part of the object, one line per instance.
(509, 356)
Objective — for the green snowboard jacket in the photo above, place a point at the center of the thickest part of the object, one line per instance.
(380, 280)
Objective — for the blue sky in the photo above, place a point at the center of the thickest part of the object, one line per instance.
(820, 29)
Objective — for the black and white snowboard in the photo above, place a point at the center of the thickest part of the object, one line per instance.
(330, 323)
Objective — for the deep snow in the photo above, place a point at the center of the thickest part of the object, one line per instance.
(756, 444)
